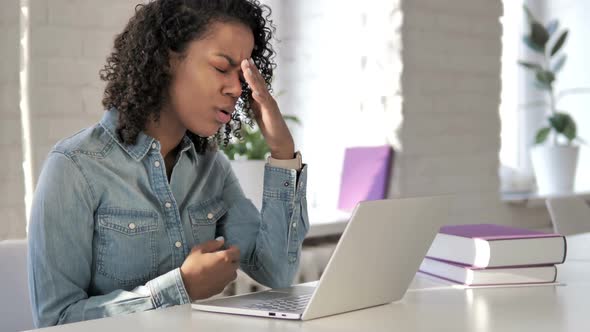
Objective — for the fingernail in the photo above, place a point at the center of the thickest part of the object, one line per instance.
(220, 238)
(249, 71)
(252, 62)
(246, 62)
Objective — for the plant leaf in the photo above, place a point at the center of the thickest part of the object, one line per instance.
(251, 144)
(529, 42)
(559, 43)
(539, 35)
(552, 27)
(529, 14)
(560, 121)
(558, 65)
(545, 77)
(570, 130)
(542, 135)
(530, 65)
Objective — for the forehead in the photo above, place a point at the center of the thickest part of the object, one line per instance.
(233, 39)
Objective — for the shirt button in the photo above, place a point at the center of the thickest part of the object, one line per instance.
(168, 205)
(210, 216)
(294, 225)
(178, 244)
(157, 164)
(131, 226)
(286, 184)
(154, 145)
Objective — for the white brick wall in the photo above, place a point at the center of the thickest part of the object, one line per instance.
(324, 81)
(69, 43)
(441, 115)
(449, 138)
(12, 207)
(450, 135)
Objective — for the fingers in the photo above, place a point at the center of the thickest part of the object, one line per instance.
(255, 81)
(231, 255)
(255, 72)
(210, 246)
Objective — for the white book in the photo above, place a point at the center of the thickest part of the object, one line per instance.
(471, 276)
(489, 245)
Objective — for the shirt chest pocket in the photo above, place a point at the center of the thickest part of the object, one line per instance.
(127, 245)
(204, 217)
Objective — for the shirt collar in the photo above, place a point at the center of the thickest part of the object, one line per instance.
(143, 143)
(187, 145)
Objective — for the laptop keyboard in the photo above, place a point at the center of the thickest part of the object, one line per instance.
(291, 303)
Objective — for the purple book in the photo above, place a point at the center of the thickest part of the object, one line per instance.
(365, 175)
(489, 245)
(492, 232)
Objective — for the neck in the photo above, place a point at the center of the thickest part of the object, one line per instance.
(168, 131)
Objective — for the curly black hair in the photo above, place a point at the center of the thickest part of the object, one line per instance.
(138, 73)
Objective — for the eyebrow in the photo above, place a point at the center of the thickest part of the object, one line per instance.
(231, 61)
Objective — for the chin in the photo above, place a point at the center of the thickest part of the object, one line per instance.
(205, 132)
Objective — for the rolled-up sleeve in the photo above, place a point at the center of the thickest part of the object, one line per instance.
(270, 240)
(60, 258)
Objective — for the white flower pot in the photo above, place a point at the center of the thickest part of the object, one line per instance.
(555, 168)
(250, 173)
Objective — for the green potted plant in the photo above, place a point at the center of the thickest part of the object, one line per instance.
(554, 156)
(248, 155)
(252, 145)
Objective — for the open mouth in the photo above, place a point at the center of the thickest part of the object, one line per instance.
(223, 116)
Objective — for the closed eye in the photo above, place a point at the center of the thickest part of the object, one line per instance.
(221, 70)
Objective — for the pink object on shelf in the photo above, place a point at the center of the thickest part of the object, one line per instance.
(365, 175)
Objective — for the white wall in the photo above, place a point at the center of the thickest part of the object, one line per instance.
(451, 129)
(69, 43)
(324, 81)
(12, 205)
(71, 38)
(442, 116)
(573, 14)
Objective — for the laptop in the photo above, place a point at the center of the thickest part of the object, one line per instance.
(373, 264)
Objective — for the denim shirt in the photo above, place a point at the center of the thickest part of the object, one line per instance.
(108, 231)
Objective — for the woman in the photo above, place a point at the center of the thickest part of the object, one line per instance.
(140, 211)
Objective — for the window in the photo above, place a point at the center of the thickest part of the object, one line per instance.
(520, 123)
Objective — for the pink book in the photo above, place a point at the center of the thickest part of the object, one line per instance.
(489, 245)
(365, 175)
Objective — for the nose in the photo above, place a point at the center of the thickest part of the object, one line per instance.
(233, 87)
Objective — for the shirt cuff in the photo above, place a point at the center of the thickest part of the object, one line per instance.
(168, 290)
(294, 163)
(284, 184)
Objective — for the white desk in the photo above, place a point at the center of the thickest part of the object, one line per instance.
(428, 306)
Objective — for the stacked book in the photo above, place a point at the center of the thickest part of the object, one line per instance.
(487, 254)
